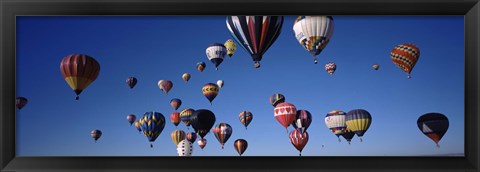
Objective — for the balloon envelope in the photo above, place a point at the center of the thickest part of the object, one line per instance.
(313, 32)
(185, 116)
(20, 102)
(245, 118)
(231, 47)
(240, 146)
(302, 121)
(276, 99)
(216, 53)
(285, 113)
(186, 77)
(131, 118)
(210, 91)
(330, 68)
(175, 103)
(335, 121)
(222, 132)
(201, 66)
(152, 124)
(165, 85)
(358, 120)
(131, 82)
(202, 121)
(405, 56)
(177, 136)
(433, 125)
(184, 148)
(175, 118)
(298, 139)
(79, 71)
(96, 134)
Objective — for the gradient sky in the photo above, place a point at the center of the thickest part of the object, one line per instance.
(153, 48)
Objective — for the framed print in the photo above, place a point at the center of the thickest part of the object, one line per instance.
(239, 85)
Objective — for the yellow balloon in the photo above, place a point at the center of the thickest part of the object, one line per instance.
(177, 136)
(231, 47)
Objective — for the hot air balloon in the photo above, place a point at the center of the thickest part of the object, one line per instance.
(79, 71)
(231, 47)
(255, 33)
(184, 148)
(210, 91)
(177, 136)
(131, 82)
(191, 136)
(285, 113)
(186, 77)
(201, 66)
(202, 142)
(220, 83)
(175, 118)
(313, 33)
(348, 135)
(298, 139)
(202, 121)
(240, 146)
(216, 53)
(138, 127)
(165, 85)
(152, 124)
(245, 118)
(405, 56)
(276, 99)
(222, 132)
(20, 102)
(185, 116)
(131, 118)
(433, 125)
(376, 66)
(175, 103)
(330, 68)
(335, 121)
(358, 120)
(96, 134)
(302, 121)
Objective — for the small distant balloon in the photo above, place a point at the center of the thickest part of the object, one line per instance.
(202, 142)
(131, 82)
(131, 118)
(330, 68)
(191, 136)
(276, 99)
(20, 102)
(201, 66)
(186, 77)
(220, 83)
(175, 103)
(175, 118)
(165, 85)
(376, 66)
(231, 47)
(210, 91)
(240, 146)
(96, 134)
(245, 118)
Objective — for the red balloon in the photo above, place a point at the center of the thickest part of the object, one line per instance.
(299, 139)
(285, 113)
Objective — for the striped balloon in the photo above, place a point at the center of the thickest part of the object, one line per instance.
(202, 142)
(165, 85)
(191, 136)
(245, 118)
(335, 121)
(216, 53)
(255, 33)
(358, 120)
(348, 135)
(285, 113)
(330, 68)
(210, 91)
(175, 118)
(184, 148)
(313, 33)
(177, 136)
(405, 56)
(240, 146)
(185, 116)
(79, 71)
(276, 99)
(152, 124)
(299, 139)
(222, 132)
(20, 102)
(175, 103)
(231, 47)
(433, 125)
(302, 121)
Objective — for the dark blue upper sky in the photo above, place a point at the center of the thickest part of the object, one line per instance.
(153, 48)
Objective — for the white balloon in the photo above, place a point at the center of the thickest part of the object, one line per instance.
(184, 148)
(220, 83)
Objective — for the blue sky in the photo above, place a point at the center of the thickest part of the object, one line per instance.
(153, 48)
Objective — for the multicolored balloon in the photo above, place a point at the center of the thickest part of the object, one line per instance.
(240, 146)
(210, 91)
(186, 77)
(222, 132)
(245, 118)
(191, 136)
(285, 113)
(20, 102)
(216, 53)
(201, 66)
(152, 124)
(302, 121)
(376, 66)
(330, 68)
(202, 142)
(348, 135)
(131, 82)
(358, 120)
(185, 115)
(255, 33)
(175, 103)
(138, 127)
(165, 85)
(313, 33)
(276, 99)
(433, 125)
(177, 136)
(175, 118)
(79, 71)
(231, 47)
(131, 118)
(335, 121)
(220, 83)
(405, 56)
(202, 121)
(96, 134)
(184, 148)
(299, 139)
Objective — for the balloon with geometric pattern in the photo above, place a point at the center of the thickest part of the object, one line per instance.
(276, 99)
(184, 148)
(152, 124)
(330, 68)
(285, 113)
(216, 53)
(210, 91)
(222, 132)
(231, 47)
(245, 118)
(185, 116)
(405, 56)
(313, 33)
(165, 85)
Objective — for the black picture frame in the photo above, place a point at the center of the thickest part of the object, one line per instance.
(11, 8)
